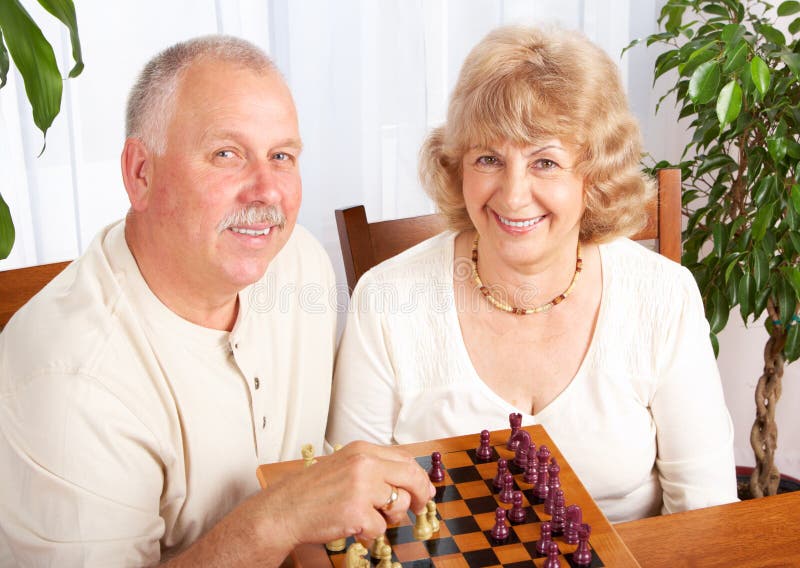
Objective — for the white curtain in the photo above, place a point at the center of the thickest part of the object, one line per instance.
(370, 78)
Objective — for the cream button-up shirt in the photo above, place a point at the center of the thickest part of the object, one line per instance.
(126, 432)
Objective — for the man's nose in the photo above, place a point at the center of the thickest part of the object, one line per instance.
(264, 184)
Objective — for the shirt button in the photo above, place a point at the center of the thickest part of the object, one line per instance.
(257, 383)
(263, 422)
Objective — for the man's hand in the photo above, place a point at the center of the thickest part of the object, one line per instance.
(348, 494)
(344, 494)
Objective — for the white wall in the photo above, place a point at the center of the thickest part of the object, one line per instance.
(370, 77)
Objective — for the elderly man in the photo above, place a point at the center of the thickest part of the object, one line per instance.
(140, 389)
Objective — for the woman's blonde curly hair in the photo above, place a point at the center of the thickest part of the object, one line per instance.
(524, 85)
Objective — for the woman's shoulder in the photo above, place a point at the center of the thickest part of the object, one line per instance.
(429, 260)
(633, 265)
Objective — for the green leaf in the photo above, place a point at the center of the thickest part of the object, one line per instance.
(729, 103)
(720, 310)
(6, 230)
(704, 82)
(760, 74)
(5, 64)
(705, 53)
(714, 343)
(720, 233)
(716, 10)
(764, 218)
(35, 61)
(746, 295)
(773, 35)
(794, 27)
(777, 148)
(794, 194)
(736, 57)
(787, 300)
(795, 238)
(715, 162)
(760, 267)
(64, 10)
(792, 61)
(792, 274)
(788, 8)
(792, 348)
(732, 33)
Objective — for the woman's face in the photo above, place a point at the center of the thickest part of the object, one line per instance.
(526, 202)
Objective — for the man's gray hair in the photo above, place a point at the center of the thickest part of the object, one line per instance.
(152, 98)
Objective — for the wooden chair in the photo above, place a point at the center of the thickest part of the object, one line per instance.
(19, 285)
(366, 244)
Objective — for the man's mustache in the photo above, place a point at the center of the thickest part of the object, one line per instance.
(254, 215)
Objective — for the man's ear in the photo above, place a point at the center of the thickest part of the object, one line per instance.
(137, 170)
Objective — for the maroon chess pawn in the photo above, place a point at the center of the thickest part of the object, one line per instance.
(552, 557)
(545, 538)
(507, 494)
(517, 512)
(500, 529)
(502, 469)
(484, 451)
(559, 513)
(530, 472)
(582, 555)
(574, 520)
(436, 473)
(515, 421)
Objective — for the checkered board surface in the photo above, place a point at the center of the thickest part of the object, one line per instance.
(466, 503)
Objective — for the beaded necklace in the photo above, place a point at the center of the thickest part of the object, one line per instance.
(522, 311)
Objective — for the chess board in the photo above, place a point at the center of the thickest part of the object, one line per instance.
(466, 501)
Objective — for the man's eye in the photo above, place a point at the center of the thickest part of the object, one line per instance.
(281, 156)
(224, 154)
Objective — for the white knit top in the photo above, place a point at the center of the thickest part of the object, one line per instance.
(643, 422)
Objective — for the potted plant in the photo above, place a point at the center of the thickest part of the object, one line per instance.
(34, 57)
(736, 81)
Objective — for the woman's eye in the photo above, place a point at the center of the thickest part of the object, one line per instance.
(487, 161)
(545, 164)
(224, 154)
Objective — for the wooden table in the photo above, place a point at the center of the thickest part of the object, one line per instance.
(755, 533)
(604, 539)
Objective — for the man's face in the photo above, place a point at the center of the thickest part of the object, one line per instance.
(232, 144)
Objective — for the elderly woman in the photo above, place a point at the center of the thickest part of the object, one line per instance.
(535, 302)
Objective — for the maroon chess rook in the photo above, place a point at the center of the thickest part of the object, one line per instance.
(552, 557)
(515, 422)
(502, 469)
(517, 512)
(545, 538)
(484, 451)
(507, 494)
(436, 473)
(582, 555)
(500, 529)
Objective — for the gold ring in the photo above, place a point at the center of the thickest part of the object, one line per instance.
(392, 498)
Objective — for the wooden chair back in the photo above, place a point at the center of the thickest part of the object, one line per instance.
(366, 244)
(21, 284)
